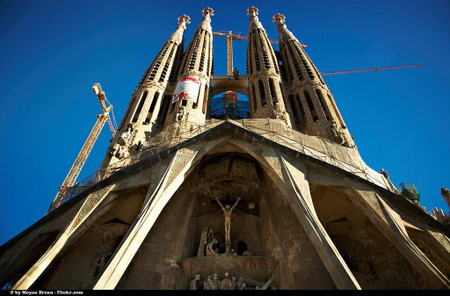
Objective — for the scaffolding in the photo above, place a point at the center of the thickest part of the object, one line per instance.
(409, 191)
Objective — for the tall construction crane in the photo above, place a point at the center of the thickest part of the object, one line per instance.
(230, 36)
(87, 147)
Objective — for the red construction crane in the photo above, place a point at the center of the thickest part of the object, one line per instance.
(376, 69)
(230, 36)
(87, 147)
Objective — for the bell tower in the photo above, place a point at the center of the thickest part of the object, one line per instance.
(190, 99)
(267, 95)
(313, 107)
(149, 103)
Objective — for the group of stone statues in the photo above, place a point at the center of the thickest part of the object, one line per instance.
(227, 283)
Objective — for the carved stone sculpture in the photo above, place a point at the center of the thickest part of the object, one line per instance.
(227, 213)
(195, 282)
(364, 268)
(210, 251)
(226, 283)
(205, 238)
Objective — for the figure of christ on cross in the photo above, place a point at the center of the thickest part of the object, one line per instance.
(227, 213)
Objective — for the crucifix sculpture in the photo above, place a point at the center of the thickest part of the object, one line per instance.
(227, 213)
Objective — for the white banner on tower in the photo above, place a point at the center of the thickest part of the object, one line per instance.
(187, 89)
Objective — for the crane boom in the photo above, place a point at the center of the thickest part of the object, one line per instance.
(376, 69)
(79, 162)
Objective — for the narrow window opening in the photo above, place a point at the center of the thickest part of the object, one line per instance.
(273, 91)
(152, 108)
(300, 106)
(294, 109)
(262, 93)
(311, 106)
(139, 109)
(254, 98)
(324, 105)
(205, 99)
(163, 111)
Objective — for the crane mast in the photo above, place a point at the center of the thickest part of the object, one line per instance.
(230, 36)
(79, 162)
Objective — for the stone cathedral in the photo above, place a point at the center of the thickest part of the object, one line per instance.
(279, 200)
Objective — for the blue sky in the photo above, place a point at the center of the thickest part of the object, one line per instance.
(52, 52)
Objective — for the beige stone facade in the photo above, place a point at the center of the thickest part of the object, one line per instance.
(282, 200)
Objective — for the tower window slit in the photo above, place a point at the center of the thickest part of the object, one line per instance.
(300, 106)
(323, 103)
(254, 98)
(163, 110)
(294, 109)
(141, 104)
(273, 92)
(311, 106)
(262, 93)
(205, 99)
(152, 108)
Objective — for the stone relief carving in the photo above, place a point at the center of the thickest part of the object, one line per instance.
(97, 267)
(91, 201)
(99, 264)
(365, 269)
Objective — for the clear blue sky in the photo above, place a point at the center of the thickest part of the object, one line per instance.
(51, 52)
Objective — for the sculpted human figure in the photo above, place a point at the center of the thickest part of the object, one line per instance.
(209, 248)
(215, 283)
(227, 213)
(226, 283)
(99, 263)
(207, 284)
(195, 282)
(205, 238)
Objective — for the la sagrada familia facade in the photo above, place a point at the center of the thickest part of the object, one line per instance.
(281, 200)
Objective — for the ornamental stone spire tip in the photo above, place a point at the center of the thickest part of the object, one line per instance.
(184, 19)
(207, 12)
(254, 20)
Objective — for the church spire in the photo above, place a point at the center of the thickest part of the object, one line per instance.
(190, 99)
(267, 95)
(149, 102)
(313, 107)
